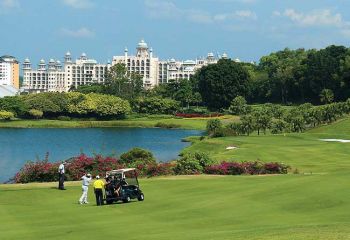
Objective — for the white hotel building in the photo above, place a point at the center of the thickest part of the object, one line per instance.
(53, 77)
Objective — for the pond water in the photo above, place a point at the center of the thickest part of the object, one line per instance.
(18, 146)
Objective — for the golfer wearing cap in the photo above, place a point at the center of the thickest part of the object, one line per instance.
(61, 176)
(98, 186)
(85, 187)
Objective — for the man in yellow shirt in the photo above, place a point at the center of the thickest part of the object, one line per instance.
(98, 187)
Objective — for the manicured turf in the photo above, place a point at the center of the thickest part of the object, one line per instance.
(193, 123)
(312, 205)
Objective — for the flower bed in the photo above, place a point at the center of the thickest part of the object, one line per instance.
(251, 168)
(189, 164)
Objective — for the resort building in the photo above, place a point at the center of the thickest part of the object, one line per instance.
(143, 63)
(9, 71)
(53, 77)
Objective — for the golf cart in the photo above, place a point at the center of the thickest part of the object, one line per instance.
(122, 185)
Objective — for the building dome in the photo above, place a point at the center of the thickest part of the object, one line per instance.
(83, 55)
(52, 61)
(224, 56)
(26, 60)
(126, 49)
(172, 60)
(210, 54)
(58, 62)
(68, 53)
(42, 61)
(237, 60)
(142, 44)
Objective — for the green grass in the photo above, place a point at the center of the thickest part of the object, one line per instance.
(311, 205)
(140, 122)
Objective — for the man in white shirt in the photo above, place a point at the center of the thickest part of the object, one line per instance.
(85, 187)
(61, 176)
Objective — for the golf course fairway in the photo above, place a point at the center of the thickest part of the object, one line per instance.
(314, 204)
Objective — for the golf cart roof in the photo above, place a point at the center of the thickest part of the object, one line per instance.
(123, 170)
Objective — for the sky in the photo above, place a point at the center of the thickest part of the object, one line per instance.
(180, 29)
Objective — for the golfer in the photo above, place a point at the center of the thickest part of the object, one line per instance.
(85, 187)
(61, 176)
(98, 188)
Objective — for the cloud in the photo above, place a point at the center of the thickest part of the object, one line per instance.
(79, 33)
(166, 9)
(323, 17)
(6, 6)
(320, 18)
(79, 4)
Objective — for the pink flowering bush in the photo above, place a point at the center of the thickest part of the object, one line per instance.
(251, 168)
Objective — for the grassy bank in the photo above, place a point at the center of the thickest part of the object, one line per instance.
(310, 205)
(200, 207)
(184, 123)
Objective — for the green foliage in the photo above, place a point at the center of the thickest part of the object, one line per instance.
(155, 105)
(279, 126)
(214, 128)
(239, 106)
(5, 115)
(35, 113)
(262, 118)
(192, 163)
(219, 83)
(63, 118)
(326, 96)
(14, 104)
(137, 156)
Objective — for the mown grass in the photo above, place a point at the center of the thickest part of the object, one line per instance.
(311, 205)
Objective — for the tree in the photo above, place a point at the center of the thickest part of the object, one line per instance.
(35, 113)
(14, 104)
(248, 124)
(239, 106)
(262, 119)
(326, 96)
(219, 83)
(214, 126)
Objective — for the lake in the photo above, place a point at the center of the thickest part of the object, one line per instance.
(18, 146)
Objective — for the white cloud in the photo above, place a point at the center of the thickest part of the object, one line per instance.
(167, 9)
(8, 4)
(79, 33)
(79, 4)
(317, 18)
(323, 17)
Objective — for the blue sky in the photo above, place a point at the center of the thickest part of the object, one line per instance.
(183, 29)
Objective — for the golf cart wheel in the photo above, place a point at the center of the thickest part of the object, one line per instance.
(109, 201)
(127, 199)
(141, 197)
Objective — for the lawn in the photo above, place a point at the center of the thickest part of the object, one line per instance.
(184, 123)
(311, 205)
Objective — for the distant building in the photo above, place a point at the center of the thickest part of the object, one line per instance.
(9, 71)
(53, 77)
(8, 90)
(143, 63)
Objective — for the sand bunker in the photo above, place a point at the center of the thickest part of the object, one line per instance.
(336, 140)
(231, 147)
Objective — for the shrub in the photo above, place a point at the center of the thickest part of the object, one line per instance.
(35, 113)
(5, 115)
(167, 125)
(156, 105)
(160, 169)
(251, 168)
(63, 118)
(192, 163)
(137, 156)
(214, 127)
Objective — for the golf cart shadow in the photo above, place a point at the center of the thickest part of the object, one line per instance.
(122, 186)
